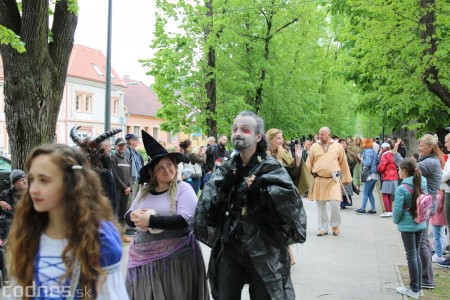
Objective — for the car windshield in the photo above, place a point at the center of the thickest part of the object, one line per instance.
(5, 165)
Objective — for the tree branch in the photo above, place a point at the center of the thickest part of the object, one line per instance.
(10, 15)
(284, 26)
(64, 25)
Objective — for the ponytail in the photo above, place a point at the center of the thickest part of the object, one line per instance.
(417, 182)
(410, 167)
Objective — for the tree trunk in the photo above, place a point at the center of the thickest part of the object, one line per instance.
(34, 80)
(431, 73)
(210, 86)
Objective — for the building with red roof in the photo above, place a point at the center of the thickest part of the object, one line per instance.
(133, 104)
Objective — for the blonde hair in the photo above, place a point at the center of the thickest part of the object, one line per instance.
(431, 141)
(280, 152)
(152, 184)
(271, 133)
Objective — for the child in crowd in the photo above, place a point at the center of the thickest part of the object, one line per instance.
(389, 175)
(439, 223)
(411, 232)
(63, 242)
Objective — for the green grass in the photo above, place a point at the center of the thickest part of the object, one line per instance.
(441, 283)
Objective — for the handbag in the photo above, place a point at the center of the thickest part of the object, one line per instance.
(365, 173)
(306, 178)
(195, 169)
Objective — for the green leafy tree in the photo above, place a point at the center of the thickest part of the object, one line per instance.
(397, 54)
(267, 56)
(35, 59)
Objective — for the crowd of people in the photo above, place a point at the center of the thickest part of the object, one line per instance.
(76, 208)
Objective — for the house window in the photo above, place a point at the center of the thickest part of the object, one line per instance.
(97, 69)
(136, 130)
(78, 103)
(115, 106)
(83, 102)
(128, 129)
(169, 138)
(156, 133)
(88, 103)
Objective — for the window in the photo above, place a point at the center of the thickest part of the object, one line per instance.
(78, 103)
(83, 102)
(115, 106)
(87, 103)
(136, 130)
(169, 138)
(146, 129)
(97, 69)
(156, 133)
(128, 129)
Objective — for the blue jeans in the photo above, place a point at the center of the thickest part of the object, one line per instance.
(411, 242)
(368, 193)
(196, 184)
(439, 239)
(207, 177)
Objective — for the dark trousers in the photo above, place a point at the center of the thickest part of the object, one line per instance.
(122, 206)
(236, 269)
(411, 242)
(425, 255)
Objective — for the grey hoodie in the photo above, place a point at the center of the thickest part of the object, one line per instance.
(430, 167)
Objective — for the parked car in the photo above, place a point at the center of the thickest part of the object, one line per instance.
(5, 170)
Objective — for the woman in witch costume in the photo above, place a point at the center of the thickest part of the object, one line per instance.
(165, 260)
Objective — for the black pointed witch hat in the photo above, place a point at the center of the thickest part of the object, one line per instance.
(156, 151)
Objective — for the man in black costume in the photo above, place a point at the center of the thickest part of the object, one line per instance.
(249, 212)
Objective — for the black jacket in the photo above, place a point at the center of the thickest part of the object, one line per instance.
(212, 154)
(274, 218)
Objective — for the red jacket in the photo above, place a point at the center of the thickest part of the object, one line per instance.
(387, 166)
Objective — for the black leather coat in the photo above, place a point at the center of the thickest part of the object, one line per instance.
(273, 218)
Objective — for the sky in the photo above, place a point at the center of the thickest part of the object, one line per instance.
(132, 33)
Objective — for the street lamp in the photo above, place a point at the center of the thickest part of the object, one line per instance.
(108, 71)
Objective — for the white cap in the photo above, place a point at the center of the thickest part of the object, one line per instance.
(385, 145)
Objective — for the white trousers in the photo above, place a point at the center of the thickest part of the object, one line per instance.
(335, 216)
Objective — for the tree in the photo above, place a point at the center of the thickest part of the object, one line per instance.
(397, 54)
(34, 75)
(268, 56)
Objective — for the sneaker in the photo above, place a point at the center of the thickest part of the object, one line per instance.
(389, 214)
(428, 286)
(130, 231)
(372, 211)
(408, 292)
(445, 263)
(360, 211)
(384, 215)
(437, 259)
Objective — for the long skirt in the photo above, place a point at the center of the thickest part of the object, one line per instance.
(181, 276)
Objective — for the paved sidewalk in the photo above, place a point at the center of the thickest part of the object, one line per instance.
(360, 263)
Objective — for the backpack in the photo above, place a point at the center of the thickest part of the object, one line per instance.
(423, 206)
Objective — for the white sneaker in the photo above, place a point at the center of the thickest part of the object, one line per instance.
(408, 292)
(383, 215)
(389, 214)
(437, 259)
